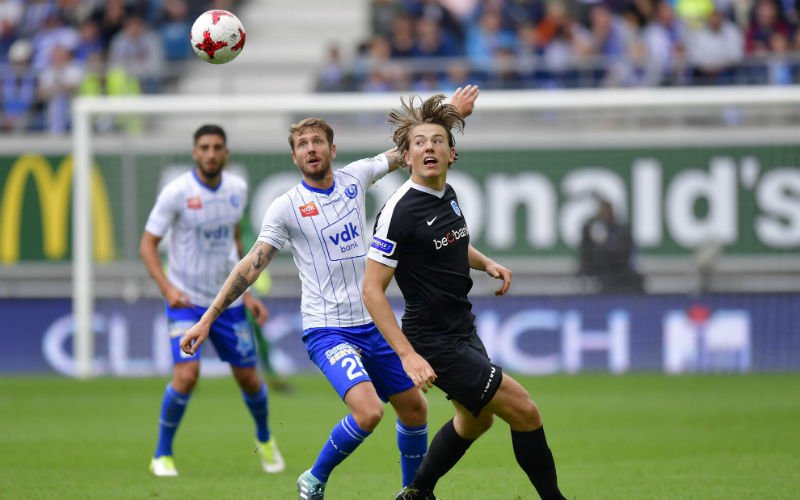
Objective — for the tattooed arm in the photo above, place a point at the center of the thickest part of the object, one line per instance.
(243, 275)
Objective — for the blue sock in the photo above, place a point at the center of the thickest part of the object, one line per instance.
(172, 407)
(344, 439)
(257, 404)
(413, 444)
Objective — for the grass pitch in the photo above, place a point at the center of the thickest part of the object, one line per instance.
(631, 437)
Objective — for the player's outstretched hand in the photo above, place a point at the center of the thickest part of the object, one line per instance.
(419, 371)
(464, 99)
(497, 271)
(193, 337)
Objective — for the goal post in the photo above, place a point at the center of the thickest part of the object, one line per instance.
(504, 121)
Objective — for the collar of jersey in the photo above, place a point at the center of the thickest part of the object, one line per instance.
(426, 189)
(318, 190)
(203, 184)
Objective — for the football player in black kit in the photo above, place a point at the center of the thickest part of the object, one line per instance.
(422, 240)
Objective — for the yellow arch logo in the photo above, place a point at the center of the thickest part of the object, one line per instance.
(55, 192)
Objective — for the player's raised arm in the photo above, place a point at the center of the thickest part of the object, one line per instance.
(376, 278)
(243, 275)
(481, 262)
(463, 99)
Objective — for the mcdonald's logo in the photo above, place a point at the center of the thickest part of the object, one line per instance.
(54, 189)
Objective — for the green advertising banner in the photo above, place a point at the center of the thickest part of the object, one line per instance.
(517, 203)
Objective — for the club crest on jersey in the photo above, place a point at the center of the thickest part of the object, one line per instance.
(351, 191)
(235, 201)
(309, 209)
(194, 203)
(455, 208)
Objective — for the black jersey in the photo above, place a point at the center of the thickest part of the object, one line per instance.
(424, 236)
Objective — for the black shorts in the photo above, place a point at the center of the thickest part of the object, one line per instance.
(463, 369)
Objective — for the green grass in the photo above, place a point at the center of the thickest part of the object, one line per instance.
(632, 437)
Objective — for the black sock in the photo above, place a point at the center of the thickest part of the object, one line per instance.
(446, 448)
(535, 458)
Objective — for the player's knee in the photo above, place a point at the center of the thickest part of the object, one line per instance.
(471, 427)
(413, 415)
(525, 415)
(184, 383)
(184, 379)
(368, 417)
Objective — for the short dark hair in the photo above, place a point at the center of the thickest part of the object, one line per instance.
(310, 124)
(210, 129)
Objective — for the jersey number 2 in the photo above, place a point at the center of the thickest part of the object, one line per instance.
(354, 367)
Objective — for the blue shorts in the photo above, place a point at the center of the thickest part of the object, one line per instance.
(349, 356)
(230, 334)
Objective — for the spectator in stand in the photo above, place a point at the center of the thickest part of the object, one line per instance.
(139, 51)
(110, 16)
(791, 12)
(375, 55)
(505, 72)
(441, 15)
(432, 41)
(73, 12)
(174, 27)
(33, 19)
(458, 74)
(10, 16)
(54, 33)
(19, 88)
(715, 51)
(382, 16)
(779, 67)
(58, 83)
(606, 50)
(402, 40)
(485, 36)
(332, 74)
(559, 39)
(90, 42)
(664, 43)
(766, 22)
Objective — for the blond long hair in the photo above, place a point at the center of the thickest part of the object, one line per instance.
(431, 110)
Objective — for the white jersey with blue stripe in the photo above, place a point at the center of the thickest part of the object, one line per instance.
(202, 232)
(329, 238)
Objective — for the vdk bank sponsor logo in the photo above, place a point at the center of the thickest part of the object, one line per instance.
(343, 239)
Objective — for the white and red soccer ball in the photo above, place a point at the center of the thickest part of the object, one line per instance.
(217, 36)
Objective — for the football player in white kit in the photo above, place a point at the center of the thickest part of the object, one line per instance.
(201, 209)
(323, 220)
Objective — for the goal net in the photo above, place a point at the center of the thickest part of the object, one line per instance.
(706, 179)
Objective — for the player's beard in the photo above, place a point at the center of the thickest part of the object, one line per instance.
(318, 172)
(211, 173)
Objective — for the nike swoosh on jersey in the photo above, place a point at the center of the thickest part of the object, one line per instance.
(432, 220)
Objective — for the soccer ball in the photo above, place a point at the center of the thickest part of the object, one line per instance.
(217, 36)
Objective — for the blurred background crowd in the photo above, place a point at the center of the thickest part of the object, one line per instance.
(52, 50)
(512, 44)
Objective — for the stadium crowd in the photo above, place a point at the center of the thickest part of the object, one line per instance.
(511, 44)
(52, 50)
